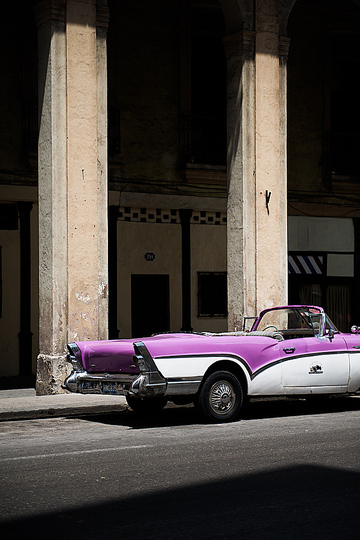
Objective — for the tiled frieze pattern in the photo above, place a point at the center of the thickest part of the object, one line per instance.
(172, 216)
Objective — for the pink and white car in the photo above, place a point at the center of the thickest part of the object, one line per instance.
(290, 350)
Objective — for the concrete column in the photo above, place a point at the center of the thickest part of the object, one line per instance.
(241, 218)
(271, 201)
(102, 21)
(284, 45)
(82, 169)
(72, 182)
(52, 194)
(257, 200)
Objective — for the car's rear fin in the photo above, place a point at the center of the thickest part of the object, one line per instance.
(74, 357)
(151, 381)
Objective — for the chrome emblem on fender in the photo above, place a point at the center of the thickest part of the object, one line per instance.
(316, 368)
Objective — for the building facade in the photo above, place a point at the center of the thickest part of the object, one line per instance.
(173, 165)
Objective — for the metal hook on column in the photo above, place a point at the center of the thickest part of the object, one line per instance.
(267, 199)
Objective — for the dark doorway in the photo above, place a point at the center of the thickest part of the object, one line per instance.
(149, 304)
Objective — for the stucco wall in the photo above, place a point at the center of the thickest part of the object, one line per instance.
(34, 246)
(143, 84)
(309, 92)
(10, 320)
(18, 91)
(208, 254)
(305, 99)
(134, 241)
(320, 234)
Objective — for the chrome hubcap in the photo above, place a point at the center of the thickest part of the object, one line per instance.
(222, 397)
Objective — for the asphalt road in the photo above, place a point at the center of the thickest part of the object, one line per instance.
(287, 469)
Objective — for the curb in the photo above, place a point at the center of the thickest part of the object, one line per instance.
(25, 405)
(55, 413)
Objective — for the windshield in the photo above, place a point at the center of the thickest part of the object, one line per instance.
(294, 318)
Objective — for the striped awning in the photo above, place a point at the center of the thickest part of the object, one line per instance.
(306, 264)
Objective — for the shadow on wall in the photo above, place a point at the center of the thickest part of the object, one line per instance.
(7, 383)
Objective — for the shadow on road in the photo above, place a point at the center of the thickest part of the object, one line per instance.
(256, 409)
(294, 503)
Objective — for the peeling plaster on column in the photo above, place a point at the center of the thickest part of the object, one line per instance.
(103, 290)
(86, 298)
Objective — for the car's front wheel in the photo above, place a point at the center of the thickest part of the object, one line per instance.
(146, 406)
(221, 397)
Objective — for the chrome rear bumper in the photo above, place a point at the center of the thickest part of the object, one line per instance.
(99, 383)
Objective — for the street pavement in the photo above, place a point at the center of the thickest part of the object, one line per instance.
(23, 403)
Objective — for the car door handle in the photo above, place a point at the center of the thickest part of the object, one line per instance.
(356, 346)
(289, 350)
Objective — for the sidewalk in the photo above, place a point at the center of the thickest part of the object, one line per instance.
(25, 404)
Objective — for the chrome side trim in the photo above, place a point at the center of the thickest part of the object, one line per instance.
(183, 386)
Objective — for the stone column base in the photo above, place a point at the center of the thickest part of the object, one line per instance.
(50, 374)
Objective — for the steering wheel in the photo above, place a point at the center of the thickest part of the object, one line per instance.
(271, 326)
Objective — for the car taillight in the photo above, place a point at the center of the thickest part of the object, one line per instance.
(74, 357)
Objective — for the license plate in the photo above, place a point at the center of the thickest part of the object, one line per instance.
(110, 388)
(90, 388)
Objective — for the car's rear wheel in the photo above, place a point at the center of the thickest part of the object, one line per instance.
(146, 405)
(221, 397)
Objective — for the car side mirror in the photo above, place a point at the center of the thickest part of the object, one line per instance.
(355, 329)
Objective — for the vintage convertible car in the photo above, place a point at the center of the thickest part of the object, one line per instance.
(289, 350)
